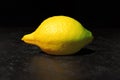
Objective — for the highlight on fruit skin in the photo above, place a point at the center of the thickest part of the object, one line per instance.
(59, 35)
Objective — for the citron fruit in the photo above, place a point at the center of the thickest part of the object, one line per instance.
(59, 35)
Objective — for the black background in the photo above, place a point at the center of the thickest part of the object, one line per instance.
(32, 13)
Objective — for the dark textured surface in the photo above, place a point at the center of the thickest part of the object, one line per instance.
(100, 60)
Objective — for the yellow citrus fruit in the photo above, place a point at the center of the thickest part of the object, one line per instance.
(59, 35)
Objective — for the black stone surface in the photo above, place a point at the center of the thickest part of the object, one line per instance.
(100, 60)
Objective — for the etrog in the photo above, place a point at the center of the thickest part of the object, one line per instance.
(59, 35)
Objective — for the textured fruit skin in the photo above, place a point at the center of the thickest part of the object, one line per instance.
(59, 35)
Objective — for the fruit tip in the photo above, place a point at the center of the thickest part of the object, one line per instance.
(22, 38)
